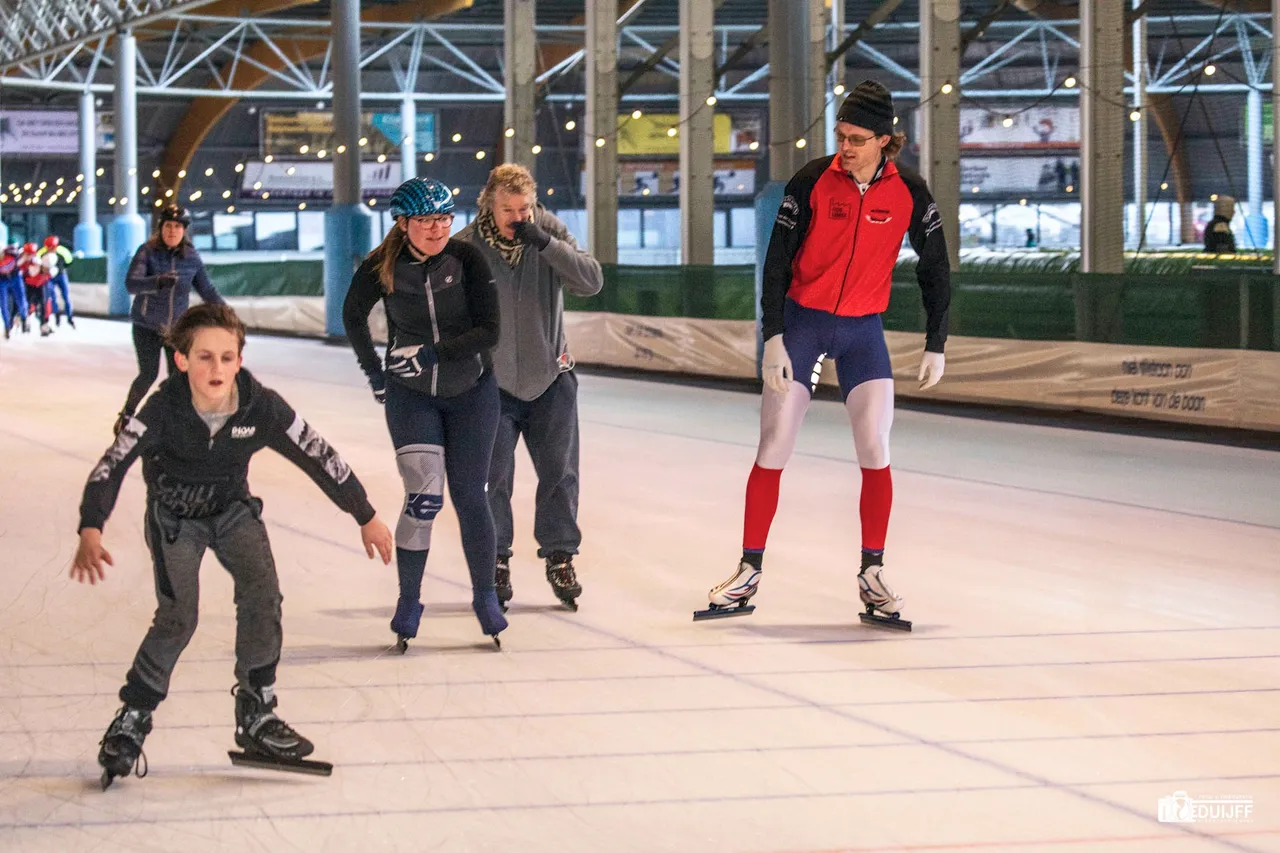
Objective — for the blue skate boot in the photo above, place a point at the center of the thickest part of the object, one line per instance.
(405, 623)
(489, 612)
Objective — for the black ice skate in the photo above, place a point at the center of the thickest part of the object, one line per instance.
(121, 745)
(563, 580)
(269, 743)
(502, 581)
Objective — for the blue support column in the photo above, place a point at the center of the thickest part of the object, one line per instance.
(88, 233)
(128, 231)
(348, 225)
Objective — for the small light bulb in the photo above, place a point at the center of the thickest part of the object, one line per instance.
(800, 143)
(457, 137)
(570, 124)
(839, 89)
(600, 142)
(636, 114)
(208, 173)
(509, 132)
(239, 168)
(711, 100)
(537, 149)
(480, 155)
(947, 88)
(1070, 82)
(182, 173)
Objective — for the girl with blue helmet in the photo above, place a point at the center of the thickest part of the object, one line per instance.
(437, 384)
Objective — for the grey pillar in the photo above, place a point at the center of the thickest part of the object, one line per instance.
(519, 51)
(601, 122)
(1275, 137)
(128, 231)
(940, 114)
(835, 77)
(88, 233)
(408, 138)
(697, 139)
(789, 92)
(816, 128)
(348, 225)
(1140, 129)
(1102, 117)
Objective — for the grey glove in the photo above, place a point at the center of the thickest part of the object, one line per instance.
(529, 232)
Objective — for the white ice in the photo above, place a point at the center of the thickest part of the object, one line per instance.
(1096, 626)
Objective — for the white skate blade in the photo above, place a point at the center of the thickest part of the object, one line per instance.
(288, 765)
(895, 621)
(724, 612)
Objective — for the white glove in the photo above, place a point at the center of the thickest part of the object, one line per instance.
(776, 370)
(931, 368)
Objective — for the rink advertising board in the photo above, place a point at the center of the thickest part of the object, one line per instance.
(649, 136)
(643, 178)
(1020, 174)
(284, 132)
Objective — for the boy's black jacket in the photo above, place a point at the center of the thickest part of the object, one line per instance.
(192, 476)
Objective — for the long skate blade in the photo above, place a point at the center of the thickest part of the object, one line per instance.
(723, 612)
(895, 622)
(288, 765)
(106, 779)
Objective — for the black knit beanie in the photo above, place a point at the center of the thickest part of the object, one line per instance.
(869, 105)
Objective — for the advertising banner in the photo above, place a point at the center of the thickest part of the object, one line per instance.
(284, 132)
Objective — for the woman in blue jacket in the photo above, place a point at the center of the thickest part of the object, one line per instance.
(161, 277)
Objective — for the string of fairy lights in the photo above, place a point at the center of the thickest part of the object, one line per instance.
(60, 189)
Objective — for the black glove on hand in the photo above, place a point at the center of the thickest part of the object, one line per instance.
(167, 279)
(378, 383)
(529, 232)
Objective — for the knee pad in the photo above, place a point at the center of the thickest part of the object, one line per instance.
(422, 470)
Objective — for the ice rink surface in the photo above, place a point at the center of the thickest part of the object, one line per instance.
(1096, 628)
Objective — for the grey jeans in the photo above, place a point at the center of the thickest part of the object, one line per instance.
(239, 540)
(549, 425)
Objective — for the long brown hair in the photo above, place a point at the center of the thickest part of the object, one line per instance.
(386, 253)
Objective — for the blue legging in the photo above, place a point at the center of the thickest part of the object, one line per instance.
(465, 427)
(13, 300)
(58, 285)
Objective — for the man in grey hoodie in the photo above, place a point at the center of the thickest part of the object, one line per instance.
(534, 259)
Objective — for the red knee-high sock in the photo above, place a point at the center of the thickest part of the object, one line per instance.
(874, 506)
(762, 503)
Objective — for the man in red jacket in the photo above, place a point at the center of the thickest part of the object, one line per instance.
(827, 277)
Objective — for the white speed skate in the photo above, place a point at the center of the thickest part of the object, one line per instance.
(730, 598)
(883, 605)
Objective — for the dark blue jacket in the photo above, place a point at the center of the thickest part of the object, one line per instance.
(156, 308)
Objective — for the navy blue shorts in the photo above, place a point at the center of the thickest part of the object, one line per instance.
(856, 343)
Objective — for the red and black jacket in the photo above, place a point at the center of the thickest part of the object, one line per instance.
(834, 248)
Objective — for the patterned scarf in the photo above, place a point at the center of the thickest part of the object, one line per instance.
(510, 250)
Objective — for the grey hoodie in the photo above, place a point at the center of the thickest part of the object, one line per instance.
(531, 304)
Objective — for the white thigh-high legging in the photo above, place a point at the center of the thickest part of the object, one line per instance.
(870, 409)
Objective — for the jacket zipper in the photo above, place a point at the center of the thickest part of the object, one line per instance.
(435, 334)
(857, 226)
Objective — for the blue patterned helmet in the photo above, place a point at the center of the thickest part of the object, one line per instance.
(421, 197)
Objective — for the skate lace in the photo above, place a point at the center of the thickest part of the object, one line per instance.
(562, 574)
(128, 723)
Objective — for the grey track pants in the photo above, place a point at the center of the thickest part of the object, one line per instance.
(239, 540)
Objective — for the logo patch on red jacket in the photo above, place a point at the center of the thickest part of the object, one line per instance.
(879, 215)
(840, 209)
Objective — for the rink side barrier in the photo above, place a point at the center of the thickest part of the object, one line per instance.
(1200, 348)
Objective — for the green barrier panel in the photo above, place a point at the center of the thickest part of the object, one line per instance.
(257, 278)
(92, 270)
(704, 292)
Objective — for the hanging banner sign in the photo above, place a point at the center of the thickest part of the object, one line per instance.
(285, 132)
(650, 134)
(1037, 127)
(304, 180)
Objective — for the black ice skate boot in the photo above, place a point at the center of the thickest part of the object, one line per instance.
(502, 581)
(269, 743)
(260, 732)
(563, 580)
(121, 745)
(119, 424)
